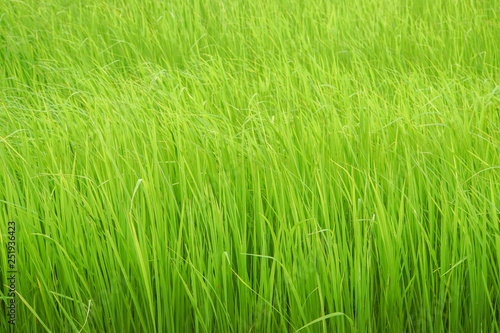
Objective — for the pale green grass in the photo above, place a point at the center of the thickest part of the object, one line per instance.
(263, 166)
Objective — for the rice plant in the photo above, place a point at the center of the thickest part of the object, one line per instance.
(250, 165)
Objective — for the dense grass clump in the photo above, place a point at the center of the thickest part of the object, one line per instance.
(251, 165)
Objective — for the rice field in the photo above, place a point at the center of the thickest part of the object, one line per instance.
(250, 165)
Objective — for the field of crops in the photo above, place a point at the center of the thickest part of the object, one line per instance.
(250, 166)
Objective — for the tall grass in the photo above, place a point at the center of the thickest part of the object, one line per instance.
(251, 165)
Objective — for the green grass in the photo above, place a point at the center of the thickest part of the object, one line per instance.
(251, 165)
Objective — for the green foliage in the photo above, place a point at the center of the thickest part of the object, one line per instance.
(263, 166)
